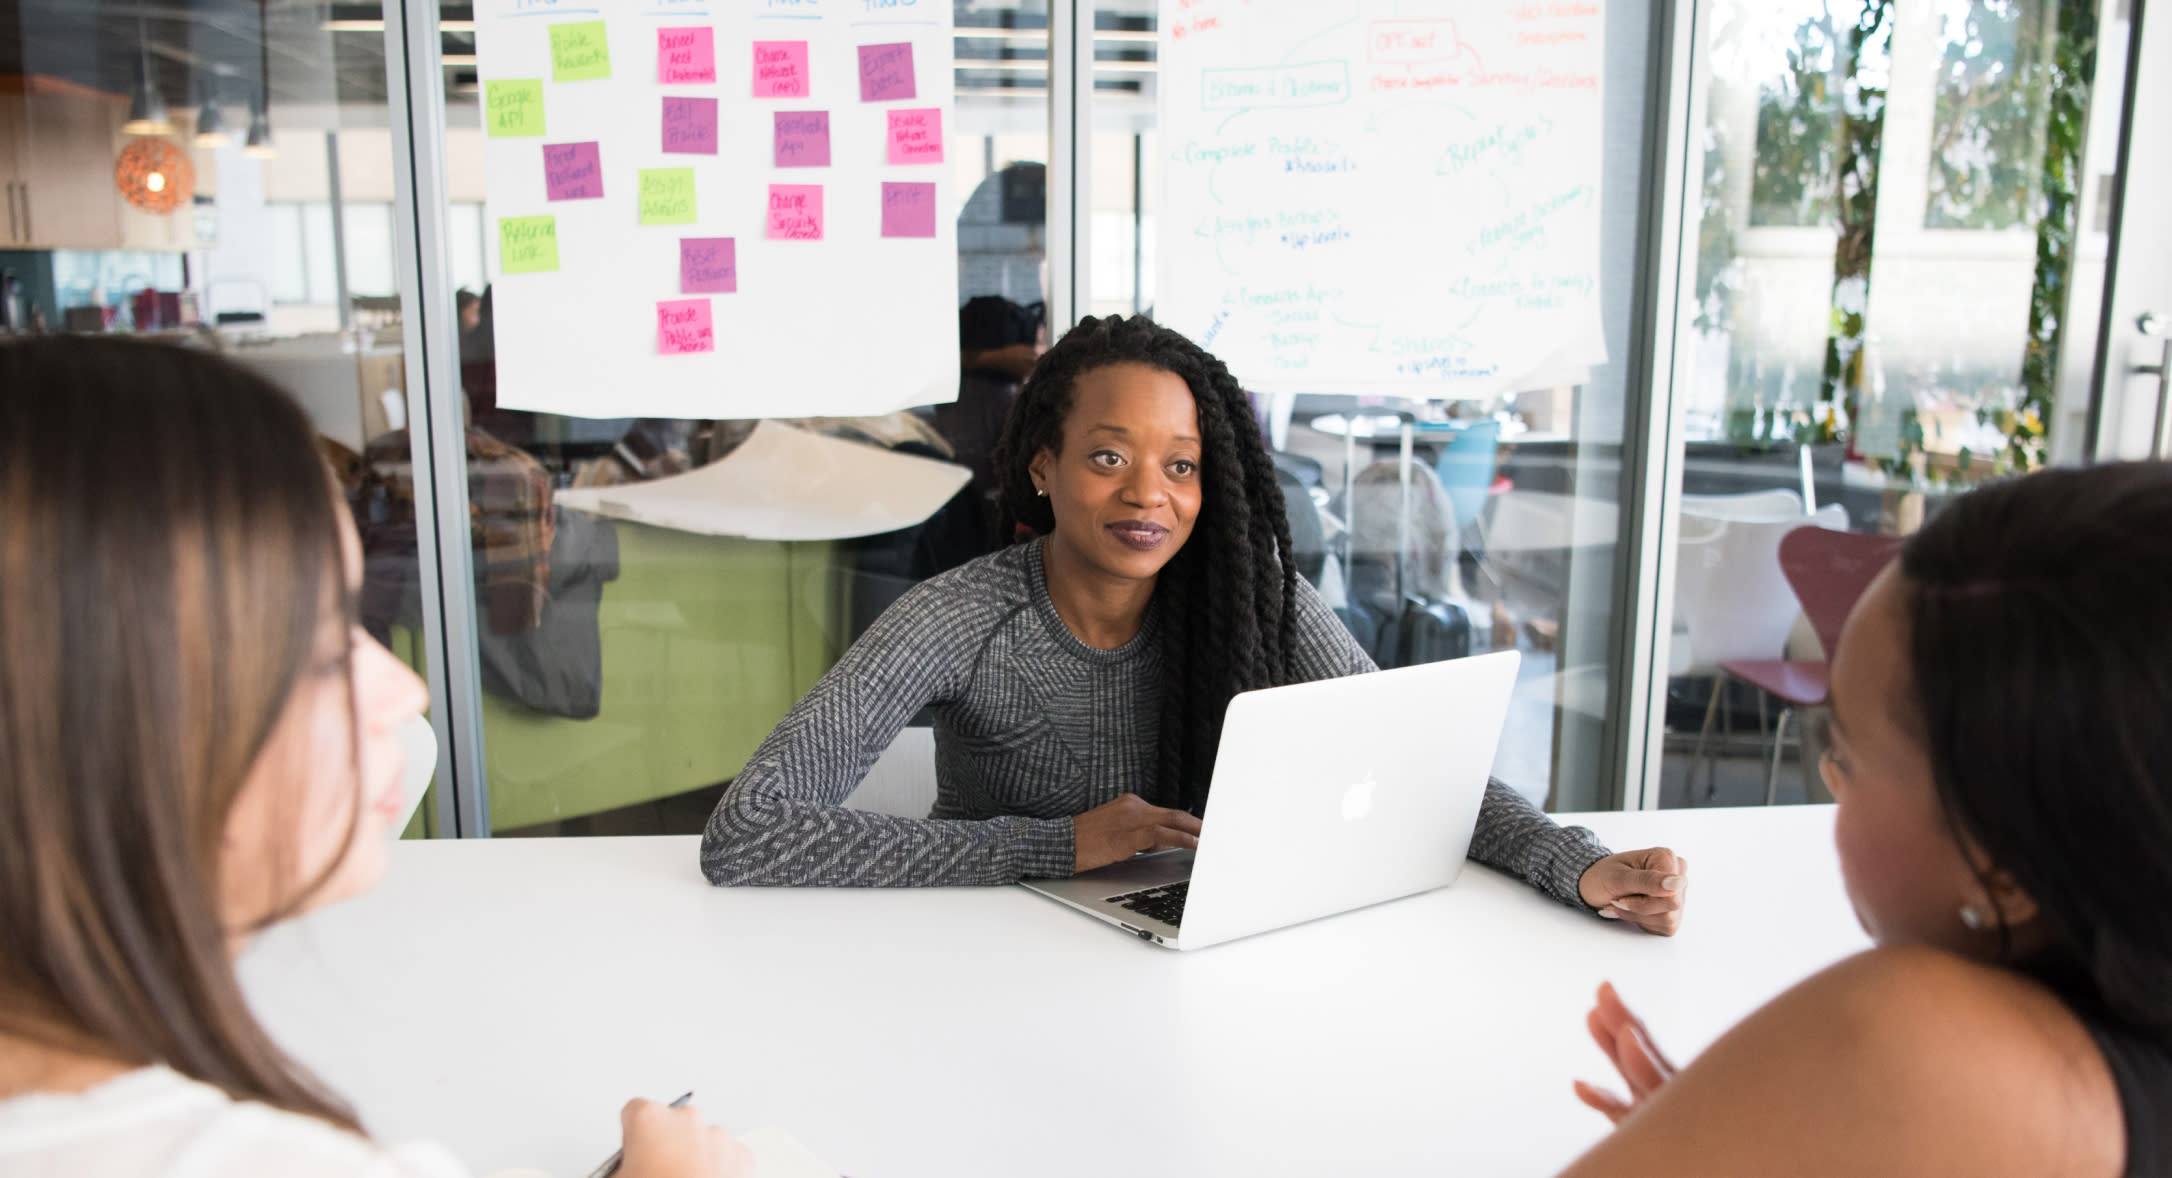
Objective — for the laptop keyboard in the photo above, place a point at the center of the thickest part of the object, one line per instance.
(1165, 904)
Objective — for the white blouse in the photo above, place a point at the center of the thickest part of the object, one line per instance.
(156, 1123)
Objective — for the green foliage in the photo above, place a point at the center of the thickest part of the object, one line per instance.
(2073, 63)
(2010, 110)
(1797, 133)
(1717, 270)
(1988, 118)
(1867, 62)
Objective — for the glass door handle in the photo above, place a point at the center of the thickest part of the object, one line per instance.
(2153, 325)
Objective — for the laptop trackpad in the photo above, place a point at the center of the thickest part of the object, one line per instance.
(1142, 871)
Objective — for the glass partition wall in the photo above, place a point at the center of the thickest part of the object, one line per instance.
(627, 703)
(1896, 221)
(626, 696)
(220, 177)
(1525, 553)
(1893, 228)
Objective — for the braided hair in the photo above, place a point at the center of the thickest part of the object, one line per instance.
(1228, 598)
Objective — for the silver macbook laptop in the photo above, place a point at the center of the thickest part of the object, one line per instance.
(1327, 796)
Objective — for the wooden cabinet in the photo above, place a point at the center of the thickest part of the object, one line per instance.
(57, 144)
(12, 233)
(169, 232)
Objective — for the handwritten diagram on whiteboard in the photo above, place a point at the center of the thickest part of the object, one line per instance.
(720, 208)
(1386, 196)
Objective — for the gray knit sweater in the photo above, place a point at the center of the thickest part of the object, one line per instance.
(1032, 726)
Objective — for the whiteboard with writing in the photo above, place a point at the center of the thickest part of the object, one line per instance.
(719, 208)
(1396, 197)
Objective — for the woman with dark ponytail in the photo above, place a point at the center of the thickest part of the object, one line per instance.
(1078, 680)
(2002, 758)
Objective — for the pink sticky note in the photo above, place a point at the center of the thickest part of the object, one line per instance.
(690, 126)
(908, 210)
(780, 69)
(795, 212)
(685, 56)
(708, 265)
(572, 171)
(683, 326)
(803, 139)
(916, 135)
(886, 72)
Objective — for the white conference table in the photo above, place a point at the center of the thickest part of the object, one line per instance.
(504, 997)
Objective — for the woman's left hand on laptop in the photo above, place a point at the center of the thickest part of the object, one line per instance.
(1645, 888)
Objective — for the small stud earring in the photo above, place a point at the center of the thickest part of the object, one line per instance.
(1973, 917)
(1042, 492)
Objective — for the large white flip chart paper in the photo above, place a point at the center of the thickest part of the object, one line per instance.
(1384, 196)
(720, 208)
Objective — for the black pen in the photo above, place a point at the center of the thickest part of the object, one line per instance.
(610, 1164)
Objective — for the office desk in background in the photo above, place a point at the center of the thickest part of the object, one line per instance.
(505, 997)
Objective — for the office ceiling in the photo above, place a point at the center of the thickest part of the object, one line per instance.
(313, 52)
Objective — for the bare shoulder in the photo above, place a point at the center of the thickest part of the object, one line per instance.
(1897, 1061)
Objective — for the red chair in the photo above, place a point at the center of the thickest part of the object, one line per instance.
(1829, 572)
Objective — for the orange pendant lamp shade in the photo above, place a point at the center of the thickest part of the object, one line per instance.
(154, 175)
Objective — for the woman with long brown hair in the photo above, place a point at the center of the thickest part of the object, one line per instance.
(196, 742)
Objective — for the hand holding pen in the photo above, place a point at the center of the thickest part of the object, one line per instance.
(672, 1141)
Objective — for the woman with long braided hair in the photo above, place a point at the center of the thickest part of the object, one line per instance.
(1078, 680)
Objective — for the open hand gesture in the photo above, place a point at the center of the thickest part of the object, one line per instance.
(1625, 1040)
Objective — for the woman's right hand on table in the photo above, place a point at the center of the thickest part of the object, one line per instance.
(666, 1142)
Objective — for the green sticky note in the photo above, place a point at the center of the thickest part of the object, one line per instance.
(580, 53)
(513, 108)
(667, 196)
(528, 245)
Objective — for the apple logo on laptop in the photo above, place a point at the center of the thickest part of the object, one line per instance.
(1357, 799)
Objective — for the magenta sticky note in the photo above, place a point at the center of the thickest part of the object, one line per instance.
(886, 72)
(683, 326)
(780, 69)
(690, 126)
(708, 265)
(572, 171)
(685, 56)
(795, 212)
(916, 135)
(803, 139)
(908, 210)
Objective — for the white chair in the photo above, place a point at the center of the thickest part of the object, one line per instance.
(1752, 505)
(902, 781)
(1731, 599)
(1729, 593)
(1775, 504)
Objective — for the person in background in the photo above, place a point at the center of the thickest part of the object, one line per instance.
(2003, 768)
(998, 341)
(1078, 680)
(470, 306)
(197, 742)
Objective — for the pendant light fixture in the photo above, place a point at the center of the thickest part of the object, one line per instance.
(259, 144)
(146, 106)
(155, 175)
(210, 120)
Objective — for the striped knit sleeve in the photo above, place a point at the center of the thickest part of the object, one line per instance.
(1519, 838)
(1513, 835)
(781, 822)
